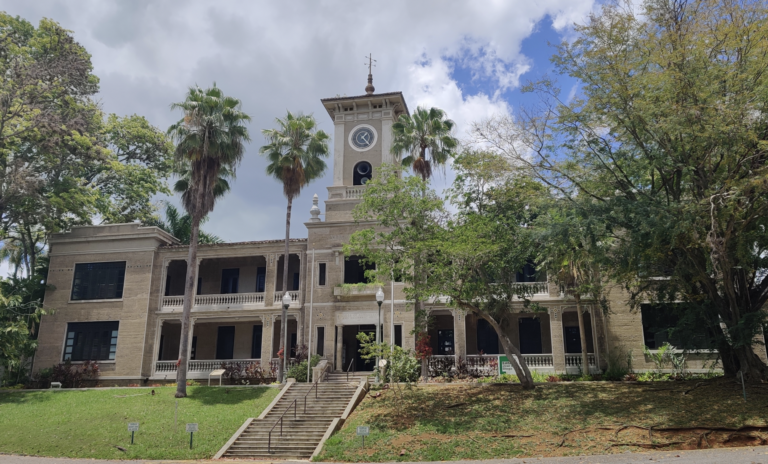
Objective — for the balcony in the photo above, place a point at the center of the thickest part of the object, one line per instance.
(534, 288)
(216, 302)
(351, 291)
(199, 369)
(294, 298)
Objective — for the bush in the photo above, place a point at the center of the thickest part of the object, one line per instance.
(251, 374)
(402, 366)
(298, 371)
(68, 374)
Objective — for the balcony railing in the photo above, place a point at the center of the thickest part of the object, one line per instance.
(293, 294)
(535, 288)
(354, 192)
(574, 360)
(204, 366)
(228, 299)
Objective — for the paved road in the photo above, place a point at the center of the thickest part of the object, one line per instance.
(753, 455)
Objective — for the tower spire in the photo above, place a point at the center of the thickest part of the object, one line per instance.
(369, 89)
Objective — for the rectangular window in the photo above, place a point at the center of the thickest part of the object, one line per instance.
(320, 350)
(193, 351)
(670, 323)
(229, 280)
(98, 281)
(295, 281)
(91, 341)
(261, 279)
(321, 273)
(256, 342)
(168, 285)
(354, 270)
(225, 342)
(199, 286)
(399, 336)
(162, 344)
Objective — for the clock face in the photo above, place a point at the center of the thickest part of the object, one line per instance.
(362, 138)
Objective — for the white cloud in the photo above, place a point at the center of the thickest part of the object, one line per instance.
(287, 55)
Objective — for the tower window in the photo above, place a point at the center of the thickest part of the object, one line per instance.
(362, 174)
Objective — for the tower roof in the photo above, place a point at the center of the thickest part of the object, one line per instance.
(393, 100)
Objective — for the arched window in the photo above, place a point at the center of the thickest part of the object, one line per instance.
(362, 174)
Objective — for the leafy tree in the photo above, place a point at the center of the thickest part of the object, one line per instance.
(424, 142)
(666, 144)
(211, 134)
(180, 226)
(62, 161)
(295, 151)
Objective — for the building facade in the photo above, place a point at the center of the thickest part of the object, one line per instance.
(116, 291)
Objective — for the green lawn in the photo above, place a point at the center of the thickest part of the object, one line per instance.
(93, 423)
(457, 421)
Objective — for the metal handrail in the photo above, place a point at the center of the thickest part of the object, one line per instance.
(280, 420)
(350, 367)
(315, 386)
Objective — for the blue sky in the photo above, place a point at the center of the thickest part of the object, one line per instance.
(468, 58)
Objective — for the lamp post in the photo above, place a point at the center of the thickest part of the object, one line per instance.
(379, 301)
(286, 348)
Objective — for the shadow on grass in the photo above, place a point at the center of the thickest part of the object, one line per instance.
(226, 395)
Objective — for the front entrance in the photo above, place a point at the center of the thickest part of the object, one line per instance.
(350, 348)
(572, 340)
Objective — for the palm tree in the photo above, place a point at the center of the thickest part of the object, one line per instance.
(425, 140)
(295, 151)
(180, 226)
(211, 134)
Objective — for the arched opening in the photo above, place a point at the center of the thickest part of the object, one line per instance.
(362, 173)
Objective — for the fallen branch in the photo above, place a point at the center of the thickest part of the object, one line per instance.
(647, 445)
(570, 431)
(455, 405)
(698, 384)
(511, 436)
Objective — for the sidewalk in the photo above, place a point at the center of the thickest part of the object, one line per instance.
(746, 455)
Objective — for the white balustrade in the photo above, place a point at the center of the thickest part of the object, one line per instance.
(228, 299)
(354, 192)
(202, 365)
(535, 288)
(574, 360)
(294, 297)
(535, 361)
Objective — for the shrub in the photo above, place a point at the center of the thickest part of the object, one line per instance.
(554, 378)
(298, 371)
(619, 364)
(250, 374)
(70, 375)
(403, 366)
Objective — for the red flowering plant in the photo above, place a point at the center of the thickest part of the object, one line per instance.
(423, 347)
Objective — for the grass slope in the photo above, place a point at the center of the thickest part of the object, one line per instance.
(91, 424)
(473, 422)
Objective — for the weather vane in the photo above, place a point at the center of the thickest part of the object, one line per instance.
(369, 89)
(370, 62)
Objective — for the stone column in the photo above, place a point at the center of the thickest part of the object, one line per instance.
(268, 323)
(459, 334)
(156, 347)
(271, 280)
(558, 343)
(192, 321)
(339, 344)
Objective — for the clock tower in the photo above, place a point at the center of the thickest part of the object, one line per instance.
(361, 143)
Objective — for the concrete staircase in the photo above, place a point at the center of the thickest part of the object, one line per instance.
(341, 377)
(303, 432)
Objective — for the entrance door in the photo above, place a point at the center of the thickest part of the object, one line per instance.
(360, 363)
(530, 335)
(487, 339)
(572, 339)
(225, 343)
(229, 280)
(445, 342)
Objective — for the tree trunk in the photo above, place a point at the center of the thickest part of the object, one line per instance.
(283, 367)
(189, 297)
(582, 336)
(513, 354)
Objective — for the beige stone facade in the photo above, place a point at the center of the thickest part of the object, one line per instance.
(236, 313)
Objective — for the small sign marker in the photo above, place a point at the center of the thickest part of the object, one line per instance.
(363, 431)
(133, 427)
(191, 428)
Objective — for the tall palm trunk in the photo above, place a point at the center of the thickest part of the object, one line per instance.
(583, 336)
(189, 297)
(283, 368)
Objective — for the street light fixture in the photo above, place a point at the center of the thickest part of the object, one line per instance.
(379, 300)
(286, 349)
